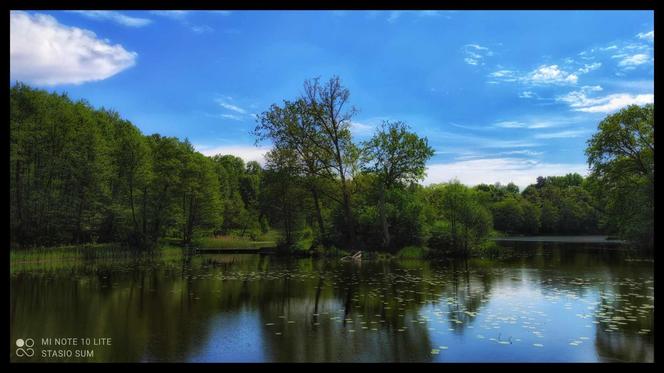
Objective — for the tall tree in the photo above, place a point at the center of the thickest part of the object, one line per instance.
(293, 128)
(621, 157)
(327, 104)
(284, 194)
(396, 156)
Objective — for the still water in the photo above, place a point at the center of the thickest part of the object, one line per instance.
(547, 302)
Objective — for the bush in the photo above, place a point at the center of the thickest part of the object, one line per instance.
(441, 237)
(413, 252)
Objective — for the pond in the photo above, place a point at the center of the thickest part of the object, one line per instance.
(545, 302)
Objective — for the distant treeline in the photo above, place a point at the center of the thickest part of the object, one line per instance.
(82, 175)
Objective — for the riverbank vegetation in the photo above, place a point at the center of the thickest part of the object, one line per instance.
(80, 175)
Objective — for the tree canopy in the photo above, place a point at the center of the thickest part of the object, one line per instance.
(79, 174)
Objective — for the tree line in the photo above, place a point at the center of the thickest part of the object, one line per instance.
(79, 174)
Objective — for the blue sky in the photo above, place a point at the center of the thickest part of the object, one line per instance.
(501, 95)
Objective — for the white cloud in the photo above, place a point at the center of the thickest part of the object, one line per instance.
(510, 124)
(175, 14)
(539, 122)
(230, 116)
(182, 16)
(551, 74)
(475, 142)
(394, 15)
(588, 68)
(543, 75)
(634, 60)
(116, 17)
(649, 36)
(520, 171)
(248, 153)
(466, 155)
(524, 152)
(45, 52)
(537, 125)
(527, 94)
(201, 29)
(561, 134)
(475, 54)
(579, 101)
(428, 13)
(359, 128)
(502, 74)
(231, 107)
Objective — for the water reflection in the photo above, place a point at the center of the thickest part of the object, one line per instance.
(556, 302)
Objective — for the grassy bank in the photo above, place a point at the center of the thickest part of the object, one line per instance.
(63, 257)
(268, 239)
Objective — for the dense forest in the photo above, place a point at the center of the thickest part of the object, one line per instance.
(85, 175)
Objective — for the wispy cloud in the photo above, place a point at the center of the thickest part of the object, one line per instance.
(360, 128)
(542, 75)
(534, 123)
(520, 171)
(226, 105)
(183, 16)
(527, 94)
(475, 54)
(648, 36)
(474, 142)
(115, 17)
(201, 29)
(510, 124)
(628, 53)
(631, 61)
(561, 134)
(466, 155)
(550, 74)
(579, 100)
(589, 67)
(523, 152)
(231, 116)
(45, 52)
(394, 15)
(174, 14)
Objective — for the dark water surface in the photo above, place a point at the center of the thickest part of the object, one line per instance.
(555, 302)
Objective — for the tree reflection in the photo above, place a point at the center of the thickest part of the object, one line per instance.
(311, 310)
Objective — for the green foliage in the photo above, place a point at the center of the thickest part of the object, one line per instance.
(396, 156)
(283, 196)
(621, 156)
(461, 222)
(413, 252)
(82, 175)
(553, 205)
(315, 129)
(508, 215)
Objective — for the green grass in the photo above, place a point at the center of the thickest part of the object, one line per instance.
(268, 239)
(413, 252)
(64, 257)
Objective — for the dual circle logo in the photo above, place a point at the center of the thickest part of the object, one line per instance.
(24, 347)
